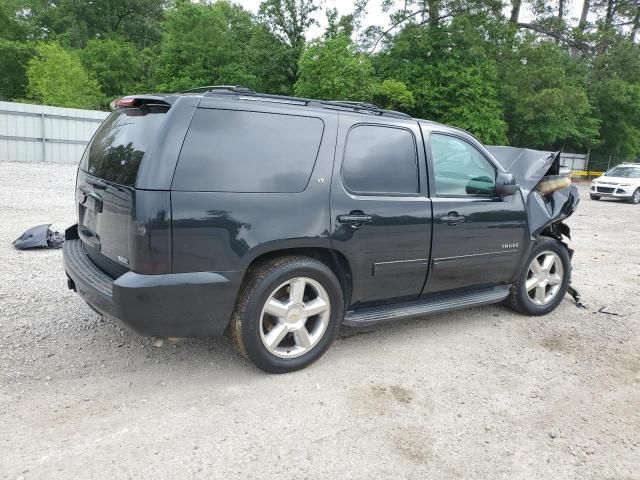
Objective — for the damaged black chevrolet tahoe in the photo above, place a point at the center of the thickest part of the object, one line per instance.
(278, 219)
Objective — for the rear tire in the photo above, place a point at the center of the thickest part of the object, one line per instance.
(543, 283)
(594, 197)
(288, 313)
(635, 198)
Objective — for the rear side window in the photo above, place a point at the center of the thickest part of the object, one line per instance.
(380, 160)
(236, 151)
(117, 148)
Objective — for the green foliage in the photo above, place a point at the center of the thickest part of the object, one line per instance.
(75, 22)
(288, 21)
(115, 64)
(546, 98)
(394, 95)
(454, 86)
(616, 92)
(220, 43)
(56, 77)
(332, 70)
(619, 109)
(13, 65)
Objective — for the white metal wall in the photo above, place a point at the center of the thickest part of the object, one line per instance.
(575, 161)
(39, 133)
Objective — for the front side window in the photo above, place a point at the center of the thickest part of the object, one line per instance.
(460, 169)
(380, 160)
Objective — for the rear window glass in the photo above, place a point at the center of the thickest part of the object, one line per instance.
(236, 151)
(117, 148)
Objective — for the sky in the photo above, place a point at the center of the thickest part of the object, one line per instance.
(375, 15)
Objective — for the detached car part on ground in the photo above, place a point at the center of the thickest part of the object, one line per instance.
(278, 219)
(621, 182)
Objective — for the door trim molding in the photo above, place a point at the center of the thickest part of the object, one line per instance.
(400, 266)
(438, 261)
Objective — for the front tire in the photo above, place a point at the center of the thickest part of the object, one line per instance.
(635, 198)
(544, 280)
(288, 313)
(594, 197)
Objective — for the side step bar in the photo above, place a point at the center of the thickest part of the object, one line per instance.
(368, 316)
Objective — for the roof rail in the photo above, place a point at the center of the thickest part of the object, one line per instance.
(362, 107)
(221, 88)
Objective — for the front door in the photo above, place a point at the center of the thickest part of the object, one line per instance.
(381, 213)
(477, 234)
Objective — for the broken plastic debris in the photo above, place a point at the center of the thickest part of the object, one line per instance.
(40, 236)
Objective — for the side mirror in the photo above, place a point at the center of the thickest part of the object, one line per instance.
(506, 184)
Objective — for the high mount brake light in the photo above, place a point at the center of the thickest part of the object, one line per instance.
(124, 103)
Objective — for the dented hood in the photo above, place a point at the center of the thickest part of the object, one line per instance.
(529, 167)
(526, 165)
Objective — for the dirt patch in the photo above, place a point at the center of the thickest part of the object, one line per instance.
(413, 445)
(393, 392)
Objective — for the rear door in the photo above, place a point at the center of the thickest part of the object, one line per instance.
(477, 234)
(381, 213)
(105, 192)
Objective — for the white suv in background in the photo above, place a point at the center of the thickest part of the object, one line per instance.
(622, 181)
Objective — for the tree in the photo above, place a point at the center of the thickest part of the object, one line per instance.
(615, 87)
(56, 77)
(394, 95)
(333, 70)
(75, 22)
(289, 20)
(14, 57)
(547, 106)
(198, 47)
(115, 63)
(451, 85)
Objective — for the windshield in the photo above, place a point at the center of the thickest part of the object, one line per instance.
(627, 172)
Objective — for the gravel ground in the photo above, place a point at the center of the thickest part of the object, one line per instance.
(482, 393)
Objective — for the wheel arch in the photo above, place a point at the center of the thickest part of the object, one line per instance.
(334, 259)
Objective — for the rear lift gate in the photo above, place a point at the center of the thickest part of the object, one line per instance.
(124, 228)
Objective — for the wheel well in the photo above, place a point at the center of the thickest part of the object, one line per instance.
(335, 260)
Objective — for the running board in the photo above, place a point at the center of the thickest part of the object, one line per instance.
(368, 316)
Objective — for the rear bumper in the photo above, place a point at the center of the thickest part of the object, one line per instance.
(173, 305)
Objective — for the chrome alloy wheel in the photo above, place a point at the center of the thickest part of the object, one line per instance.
(544, 278)
(636, 196)
(295, 317)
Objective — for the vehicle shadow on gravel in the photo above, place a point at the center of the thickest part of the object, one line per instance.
(218, 353)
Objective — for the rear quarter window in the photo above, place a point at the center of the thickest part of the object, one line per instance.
(240, 151)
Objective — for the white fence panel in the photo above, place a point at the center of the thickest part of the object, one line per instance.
(575, 161)
(39, 133)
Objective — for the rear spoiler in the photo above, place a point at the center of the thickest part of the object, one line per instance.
(137, 101)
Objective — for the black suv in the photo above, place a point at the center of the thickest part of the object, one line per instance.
(278, 219)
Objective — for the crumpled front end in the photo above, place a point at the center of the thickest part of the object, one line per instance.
(549, 196)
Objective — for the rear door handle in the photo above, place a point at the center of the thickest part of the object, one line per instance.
(452, 218)
(356, 219)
